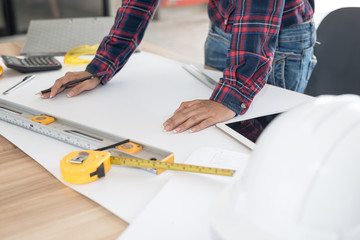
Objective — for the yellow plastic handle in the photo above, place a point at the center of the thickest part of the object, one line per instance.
(72, 57)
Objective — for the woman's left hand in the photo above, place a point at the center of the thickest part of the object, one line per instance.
(197, 115)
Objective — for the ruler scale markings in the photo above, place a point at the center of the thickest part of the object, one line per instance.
(20, 116)
(170, 166)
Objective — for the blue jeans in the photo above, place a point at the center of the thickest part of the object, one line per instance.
(294, 58)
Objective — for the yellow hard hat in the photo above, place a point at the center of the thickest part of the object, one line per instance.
(302, 181)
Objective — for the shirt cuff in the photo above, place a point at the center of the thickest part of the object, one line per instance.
(93, 69)
(234, 99)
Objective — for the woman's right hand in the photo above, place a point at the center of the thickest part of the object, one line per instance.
(76, 89)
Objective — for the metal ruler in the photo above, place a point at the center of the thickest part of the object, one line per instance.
(73, 133)
(65, 131)
(202, 77)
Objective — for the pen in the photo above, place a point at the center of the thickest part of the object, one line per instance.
(75, 81)
(25, 80)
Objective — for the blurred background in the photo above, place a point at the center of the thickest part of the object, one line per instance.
(179, 25)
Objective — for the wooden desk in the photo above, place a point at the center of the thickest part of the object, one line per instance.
(35, 205)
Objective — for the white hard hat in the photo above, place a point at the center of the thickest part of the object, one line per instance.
(303, 178)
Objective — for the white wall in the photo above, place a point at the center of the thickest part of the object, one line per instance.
(324, 7)
(114, 5)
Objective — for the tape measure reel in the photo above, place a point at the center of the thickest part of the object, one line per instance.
(72, 57)
(84, 166)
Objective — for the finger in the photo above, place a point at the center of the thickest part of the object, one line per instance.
(84, 86)
(56, 88)
(187, 118)
(44, 95)
(180, 117)
(202, 125)
(190, 122)
(47, 95)
(170, 124)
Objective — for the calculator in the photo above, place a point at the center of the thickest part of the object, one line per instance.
(32, 64)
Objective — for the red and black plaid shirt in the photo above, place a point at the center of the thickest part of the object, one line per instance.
(254, 24)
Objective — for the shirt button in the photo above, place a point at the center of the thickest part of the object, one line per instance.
(243, 105)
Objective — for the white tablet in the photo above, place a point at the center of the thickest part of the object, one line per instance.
(247, 131)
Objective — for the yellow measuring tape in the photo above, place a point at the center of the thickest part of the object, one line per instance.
(87, 166)
(73, 56)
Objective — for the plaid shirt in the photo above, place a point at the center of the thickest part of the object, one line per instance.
(254, 24)
(125, 35)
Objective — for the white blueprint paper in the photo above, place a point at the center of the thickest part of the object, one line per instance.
(134, 105)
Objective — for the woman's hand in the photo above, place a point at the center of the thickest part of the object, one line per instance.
(197, 115)
(76, 89)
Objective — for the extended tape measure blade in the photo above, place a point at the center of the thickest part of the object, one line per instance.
(142, 163)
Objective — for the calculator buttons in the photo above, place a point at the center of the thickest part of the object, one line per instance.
(32, 64)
